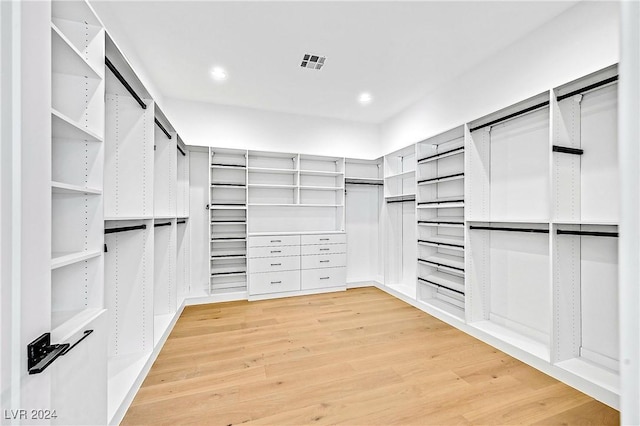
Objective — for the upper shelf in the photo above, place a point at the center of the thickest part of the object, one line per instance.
(63, 127)
(402, 175)
(67, 59)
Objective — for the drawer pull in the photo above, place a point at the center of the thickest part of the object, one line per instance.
(276, 264)
(276, 251)
(324, 249)
(276, 241)
(276, 282)
(324, 278)
(324, 261)
(324, 239)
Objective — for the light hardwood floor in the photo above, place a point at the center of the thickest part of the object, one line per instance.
(359, 357)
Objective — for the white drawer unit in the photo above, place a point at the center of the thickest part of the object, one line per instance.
(322, 278)
(274, 264)
(324, 239)
(276, 251)
(324, 261)
(324, 249)
(274, 240)
(274, 282)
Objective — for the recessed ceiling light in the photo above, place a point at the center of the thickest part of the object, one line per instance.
(365, 98)
(218, 74)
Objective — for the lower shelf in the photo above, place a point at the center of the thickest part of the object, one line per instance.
(519, 340)
(124, 371)
(593, 373)
(406, 289)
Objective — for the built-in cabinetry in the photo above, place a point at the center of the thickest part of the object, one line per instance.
(440, 214)
(146, 276)
(399, 217)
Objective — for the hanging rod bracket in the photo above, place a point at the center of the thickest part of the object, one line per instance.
(41, 353)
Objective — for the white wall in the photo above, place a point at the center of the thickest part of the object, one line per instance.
(581, 40)
(207, 124)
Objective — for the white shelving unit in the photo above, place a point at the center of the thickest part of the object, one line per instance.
(227, 220)
(440, 176)
(364, 196)
(400, 221)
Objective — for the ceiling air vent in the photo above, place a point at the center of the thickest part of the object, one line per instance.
(314, 62)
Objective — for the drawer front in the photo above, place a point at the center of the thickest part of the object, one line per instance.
(273, 264)
(324, 261)
(321, 278)
(324, 239)
(324, 249)
(276, 251)
(274, 240)
(274, 282)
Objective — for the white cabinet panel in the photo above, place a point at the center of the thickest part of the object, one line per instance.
(321, 278)
(324, 239)
(276, 251)
(273, 264)
(274, 240)
(274, 282)
(324, 261)
(324, 249)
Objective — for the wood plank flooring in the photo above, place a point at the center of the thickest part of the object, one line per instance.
(360, 357)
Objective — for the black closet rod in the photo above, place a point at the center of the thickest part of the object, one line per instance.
(126, 85)
(441, 177)
(400, 201)
(460, 148)
(156, 225)
(441, 244)
(440, 286)
(498, 228)
(351, 182)
(124, 229)
(567, 150)
(182, 221)
(439, 202)
(159, 124)
(440, 265)
(181, 151)
(515, 114)
(589, 87)
(438, 222)
(588, 233)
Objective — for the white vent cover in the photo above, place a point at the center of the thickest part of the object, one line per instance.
(314, 62)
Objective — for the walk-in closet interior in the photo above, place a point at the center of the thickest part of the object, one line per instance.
(497, 202)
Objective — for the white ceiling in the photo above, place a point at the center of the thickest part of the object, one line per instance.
(397, 51)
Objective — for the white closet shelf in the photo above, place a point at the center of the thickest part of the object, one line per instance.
(227, 239)
(512, 337)
(374, 181)
(603, 377)
(322, 188)
(229, 186)
(66, 188)
(447, 280)
(585, 223)
(445, 154)
(406, 289)
(228, 166)
(265, 186)
(270, 170)
(67, 59)
(63, 127)
(72, 322)
(215, 274)
(436, 180)
(114, 218)
(320, 173)
(164, 217)
(60, 259)
(446, 241)
(444, 260)
(228, 256)
(294, 205)
(445, 221)
(441, 203)
(228, 222)
(123, 372)
(507, 221)
(266, 234)
(227, 207)
(401, 175)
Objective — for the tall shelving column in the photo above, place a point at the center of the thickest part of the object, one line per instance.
(507, 260)
(183, 235)
(227, 220)
(165, 297)
(129, 239)
(585, 182)
(440, 202)
(364, 187)
(400, 217)
(77, 155)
